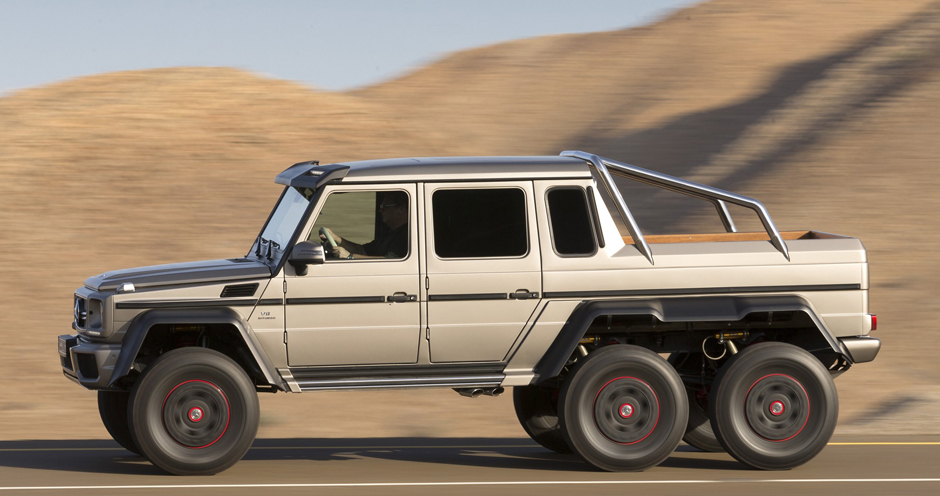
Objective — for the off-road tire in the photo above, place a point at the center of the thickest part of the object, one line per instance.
(537, 411)
(112, 406)
(773, 406)
(698, 432)
(194, 411)
(623, 408)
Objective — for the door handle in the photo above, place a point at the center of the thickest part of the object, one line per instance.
(401, 297)
(523, 294)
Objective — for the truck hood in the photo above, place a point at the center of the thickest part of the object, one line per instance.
(181, 273)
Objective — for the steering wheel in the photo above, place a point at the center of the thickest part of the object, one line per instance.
(329, 237)
(330, 241)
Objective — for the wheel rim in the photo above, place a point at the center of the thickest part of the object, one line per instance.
(626, 410)
(777, 407)
(196, 414)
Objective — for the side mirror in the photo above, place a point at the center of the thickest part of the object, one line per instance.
(304, 254)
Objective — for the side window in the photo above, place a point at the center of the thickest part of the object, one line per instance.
(363, 225)
(480, 223)
(570, 222)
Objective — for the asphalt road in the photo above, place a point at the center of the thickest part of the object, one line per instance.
(460, 466)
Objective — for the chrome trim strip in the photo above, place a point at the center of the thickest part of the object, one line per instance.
(336, 300)
(468, 297)
(702, 291)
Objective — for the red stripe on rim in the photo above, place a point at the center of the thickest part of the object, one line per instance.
(804, 394)
(228, 412)
(654, 397)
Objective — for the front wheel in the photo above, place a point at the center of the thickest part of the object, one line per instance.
(774, 407)
(194, 411)
(112, 407)
(623, 408)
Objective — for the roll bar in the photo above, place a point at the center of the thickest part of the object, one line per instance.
(718, 197)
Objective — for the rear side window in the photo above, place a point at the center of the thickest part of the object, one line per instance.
(570, 221)
(480, 223)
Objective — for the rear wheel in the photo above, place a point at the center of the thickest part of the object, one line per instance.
(623, 408)
(194, 412)
(112, 406)
(537, 410)
(693, 369)
(774, 407)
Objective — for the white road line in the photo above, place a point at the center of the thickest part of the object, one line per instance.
(475, 483)
(480, 446)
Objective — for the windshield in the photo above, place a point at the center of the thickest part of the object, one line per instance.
(287, 214)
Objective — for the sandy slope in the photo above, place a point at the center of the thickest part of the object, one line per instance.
(828, 112)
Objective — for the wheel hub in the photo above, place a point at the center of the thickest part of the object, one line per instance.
(196, 414)
(626, 410)
(777, 407)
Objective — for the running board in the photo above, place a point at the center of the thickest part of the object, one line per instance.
(455, 381)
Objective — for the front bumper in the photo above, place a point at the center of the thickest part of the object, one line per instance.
(87, 363)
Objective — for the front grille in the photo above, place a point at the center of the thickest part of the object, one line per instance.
(87, 365)
(80, 312)
(239, 290)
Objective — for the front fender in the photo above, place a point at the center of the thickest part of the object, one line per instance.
(142, 323)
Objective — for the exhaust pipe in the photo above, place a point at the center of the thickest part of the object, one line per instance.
(477, 392)
(469, 392)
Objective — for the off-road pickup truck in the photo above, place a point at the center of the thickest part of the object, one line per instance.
(480, 273)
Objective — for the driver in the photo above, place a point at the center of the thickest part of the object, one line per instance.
(393, 244)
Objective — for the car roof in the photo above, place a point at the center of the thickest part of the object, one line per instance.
(464, 168)
(438, 169)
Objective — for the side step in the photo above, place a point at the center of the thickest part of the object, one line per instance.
(480, 382)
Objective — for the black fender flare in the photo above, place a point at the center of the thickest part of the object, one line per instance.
(141, 324)
(698, 309)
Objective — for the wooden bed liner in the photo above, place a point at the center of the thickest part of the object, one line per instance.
(720, 237)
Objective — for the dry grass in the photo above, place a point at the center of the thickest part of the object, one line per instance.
(827, 112)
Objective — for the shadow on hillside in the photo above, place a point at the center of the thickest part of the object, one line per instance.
(682, 147)
(105, 457)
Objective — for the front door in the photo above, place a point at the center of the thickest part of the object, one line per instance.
(484, 274)
(361, 306)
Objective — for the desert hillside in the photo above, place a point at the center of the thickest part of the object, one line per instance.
(827, 111)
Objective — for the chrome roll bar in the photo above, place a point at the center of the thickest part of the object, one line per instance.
(718, 197)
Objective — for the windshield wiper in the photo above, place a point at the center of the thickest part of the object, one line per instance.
(260, 242)
(269, 253)
(271, 247)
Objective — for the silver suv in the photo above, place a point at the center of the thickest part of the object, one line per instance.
(479, 273)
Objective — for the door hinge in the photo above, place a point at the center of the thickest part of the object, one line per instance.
(427, 333)
(427, 283)
(285, 287)
(285, 337)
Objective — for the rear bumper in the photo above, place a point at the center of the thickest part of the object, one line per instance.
(862, 348)
(89, 364)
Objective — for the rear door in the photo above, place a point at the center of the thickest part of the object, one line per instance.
(483, 268)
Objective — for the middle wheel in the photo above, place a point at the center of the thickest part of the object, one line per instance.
(623, 408)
